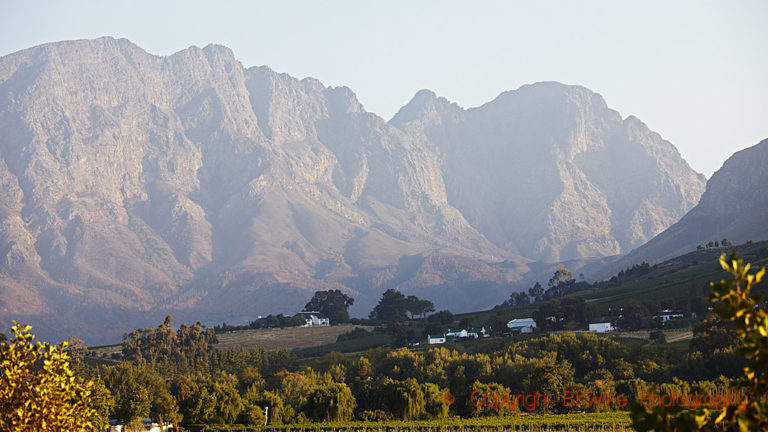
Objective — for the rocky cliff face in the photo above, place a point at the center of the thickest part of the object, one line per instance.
(550, 172)
(734, 206)
(135, 185)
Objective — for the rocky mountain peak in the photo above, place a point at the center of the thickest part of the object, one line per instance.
(427, 108)
(586, 182)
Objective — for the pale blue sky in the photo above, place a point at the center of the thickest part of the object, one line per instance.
(694, 71)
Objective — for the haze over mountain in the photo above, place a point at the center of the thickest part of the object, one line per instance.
(550, 172)
(734, 206)
(134, 186)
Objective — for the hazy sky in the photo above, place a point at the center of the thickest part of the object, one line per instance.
(694, 71)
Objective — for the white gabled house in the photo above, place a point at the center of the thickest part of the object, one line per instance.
(435, 339)
(522, 325)
(314, 319)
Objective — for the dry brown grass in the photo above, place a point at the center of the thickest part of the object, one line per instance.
(289, 338)
(671, 335)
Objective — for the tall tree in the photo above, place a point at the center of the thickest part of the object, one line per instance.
(560, 276)
(332, 303)
(416, 306)
(391, 308)
(103, 403)
(536, 292)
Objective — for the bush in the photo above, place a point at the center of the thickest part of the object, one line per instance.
(658, 337)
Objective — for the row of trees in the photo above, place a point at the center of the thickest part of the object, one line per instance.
(713, 244)
(393, 307)
(560, 285)
(269, 321)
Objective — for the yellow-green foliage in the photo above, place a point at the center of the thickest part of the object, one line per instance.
(734, 301)
(38, 391)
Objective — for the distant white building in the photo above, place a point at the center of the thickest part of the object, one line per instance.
(148, 425)
(436, 339)
(522, 325)
(601, 325)
(667, 315)
(315, 319)
(452, 334)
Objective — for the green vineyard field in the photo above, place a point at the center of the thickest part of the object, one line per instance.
(586, 422)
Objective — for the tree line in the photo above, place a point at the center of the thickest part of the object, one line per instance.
(178, 376)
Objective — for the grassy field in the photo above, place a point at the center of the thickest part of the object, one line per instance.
(107, 350)
(289, 338)
(349, 347)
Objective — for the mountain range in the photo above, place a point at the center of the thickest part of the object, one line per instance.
(135, 185)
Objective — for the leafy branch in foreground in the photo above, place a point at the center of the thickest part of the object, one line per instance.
(38, 391)
(735, 301)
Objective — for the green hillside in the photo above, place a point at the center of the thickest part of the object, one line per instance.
(681, 284)
(671, 284)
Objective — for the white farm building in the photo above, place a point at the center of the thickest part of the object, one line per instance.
(522, 325)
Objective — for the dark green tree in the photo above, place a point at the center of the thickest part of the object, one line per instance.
(536, 292)
(496, 325)
(136, 407)
(634, 317)
(332, 303)
(416, 306)
(391, 308)
(164, 409)
(103, 403)
(556, 314)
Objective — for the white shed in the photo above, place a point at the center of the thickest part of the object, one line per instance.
(601, 327)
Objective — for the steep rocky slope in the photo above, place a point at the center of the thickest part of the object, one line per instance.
(135, 185)
(734, 206)
(550, 172)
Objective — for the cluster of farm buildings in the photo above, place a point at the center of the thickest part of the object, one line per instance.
(527, 325)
